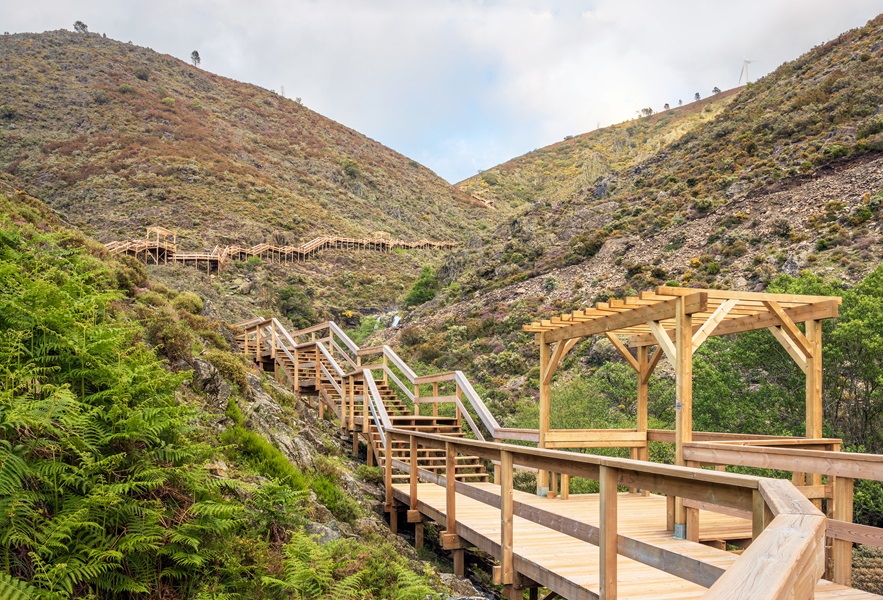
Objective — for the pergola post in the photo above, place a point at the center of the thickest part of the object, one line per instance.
(643, 396)
(683, 401)
(545, 409)
(814, 391)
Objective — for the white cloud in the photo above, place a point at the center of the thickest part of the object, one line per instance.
(466, 84)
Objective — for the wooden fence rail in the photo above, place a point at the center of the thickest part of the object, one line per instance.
(785, 560)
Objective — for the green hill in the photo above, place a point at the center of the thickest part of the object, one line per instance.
(700, 182)
(117, 137)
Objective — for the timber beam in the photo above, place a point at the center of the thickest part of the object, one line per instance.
(639, 315)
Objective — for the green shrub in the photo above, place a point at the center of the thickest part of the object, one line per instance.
(142, 73)
(152, 298)
(169, 102)
(230, 367)
(188, 302)
(370, 474)
(295, 304)
(346, 569)
(329, 493)
(264, 457)
(424, 288)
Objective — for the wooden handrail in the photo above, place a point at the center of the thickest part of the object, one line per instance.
(788, 555)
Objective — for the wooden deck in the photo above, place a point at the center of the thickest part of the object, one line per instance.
(569, 566)
(159, 250)
(608, 545)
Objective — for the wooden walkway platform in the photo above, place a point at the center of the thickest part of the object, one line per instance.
(608, 545)
(160, 250)
(569, 566)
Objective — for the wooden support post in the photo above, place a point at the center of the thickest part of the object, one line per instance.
(450, 490)
(450, 539)
(459, 556)
(545, 411)
(761, 515)
(296, 371)
(390, 502)
(607, 545)
(352, 419)
(412, 476)
(385, 367)
(684, 400)
(553, 485)
(435, 404)
(418, 535)
(841, 550)
(507, 560)
(565, 486)
(643, 395)
(814, 391)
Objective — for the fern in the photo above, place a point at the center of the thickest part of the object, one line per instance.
(15, 589)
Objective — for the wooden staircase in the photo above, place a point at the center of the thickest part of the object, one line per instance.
(319, 377)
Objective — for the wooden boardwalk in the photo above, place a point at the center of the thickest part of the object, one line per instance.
(162, 251)
(608, 545)
(569, 566)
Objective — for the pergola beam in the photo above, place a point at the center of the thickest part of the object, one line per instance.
(829, 309)
(713, 321)
(561, 349)
(693, 303)
(665, 342)
(626, 354)
(789, 328)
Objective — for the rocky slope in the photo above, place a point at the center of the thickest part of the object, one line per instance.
(664, 179)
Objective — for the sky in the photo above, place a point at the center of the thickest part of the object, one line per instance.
(463, 85)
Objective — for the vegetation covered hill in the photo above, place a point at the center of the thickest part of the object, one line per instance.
(725, 199)
(117, 137)
(141, 457)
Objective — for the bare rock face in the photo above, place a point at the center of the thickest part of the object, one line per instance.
(207, 378)
(264, 415)
(462, 589)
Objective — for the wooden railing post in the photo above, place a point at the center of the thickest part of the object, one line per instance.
(450, 539)
(607, 545)
(417, 399)
(841, 550)
(413, 513)
(390, 501)
(385, 367)
(507, 560)
(296, 370)
(435, 404)
(761, 515)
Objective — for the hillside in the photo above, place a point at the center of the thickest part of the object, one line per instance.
(683, 181)
(117, 137)
(142, 455)
(779, 184)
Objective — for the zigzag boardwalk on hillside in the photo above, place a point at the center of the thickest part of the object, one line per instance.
(162, 251)
(584, 546)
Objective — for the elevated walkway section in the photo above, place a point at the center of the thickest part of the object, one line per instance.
(445, 459)
(161, 247)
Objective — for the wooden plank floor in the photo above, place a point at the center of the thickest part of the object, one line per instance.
(570, 567)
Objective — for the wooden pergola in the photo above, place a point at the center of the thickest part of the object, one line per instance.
(677, 321)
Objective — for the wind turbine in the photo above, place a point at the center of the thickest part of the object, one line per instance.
(745, 63)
